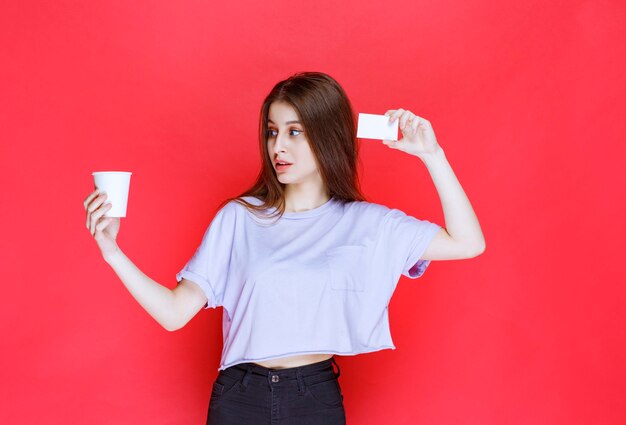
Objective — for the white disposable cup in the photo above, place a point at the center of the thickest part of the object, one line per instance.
(116, 185)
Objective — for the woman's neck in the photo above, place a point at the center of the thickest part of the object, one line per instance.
(304, 200)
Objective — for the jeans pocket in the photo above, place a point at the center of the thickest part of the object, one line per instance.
(217, 390)
(327, 393)
(346, 266)
(223, 386)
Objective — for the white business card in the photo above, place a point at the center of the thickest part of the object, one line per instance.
(371, 126)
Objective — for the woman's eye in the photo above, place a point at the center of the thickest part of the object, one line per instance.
(272, 133)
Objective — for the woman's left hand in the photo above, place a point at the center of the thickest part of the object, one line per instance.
(418, 137)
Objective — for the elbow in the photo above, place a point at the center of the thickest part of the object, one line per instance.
(169, 327)
(470, 249)
(476, 249)
(172, 326)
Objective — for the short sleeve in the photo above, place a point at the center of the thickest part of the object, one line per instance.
(407, 238)
(210, 265)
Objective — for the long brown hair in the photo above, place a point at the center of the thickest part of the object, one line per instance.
(326, 114)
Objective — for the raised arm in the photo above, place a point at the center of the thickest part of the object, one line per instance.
(462, 236)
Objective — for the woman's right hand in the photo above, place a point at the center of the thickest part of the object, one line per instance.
(103, 229)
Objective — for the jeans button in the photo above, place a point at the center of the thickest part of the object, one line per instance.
(275, 378)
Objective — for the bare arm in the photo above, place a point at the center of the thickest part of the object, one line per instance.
(462, 237)
(171, 308)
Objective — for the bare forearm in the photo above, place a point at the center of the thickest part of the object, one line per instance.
(461, 222)
(156, 299)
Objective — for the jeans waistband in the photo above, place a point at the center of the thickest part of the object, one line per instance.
(290, 372)
(307, 374)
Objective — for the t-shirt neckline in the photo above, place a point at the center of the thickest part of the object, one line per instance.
(312, 212)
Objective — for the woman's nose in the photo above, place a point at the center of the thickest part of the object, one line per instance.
(279, 143)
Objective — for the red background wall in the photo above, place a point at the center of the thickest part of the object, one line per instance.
(526, 98)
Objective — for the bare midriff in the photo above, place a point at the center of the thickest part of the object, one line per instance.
(294, 361)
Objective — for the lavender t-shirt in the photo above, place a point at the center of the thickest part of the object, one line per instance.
(316, 281)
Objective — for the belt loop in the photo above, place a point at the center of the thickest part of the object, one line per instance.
(300, 381)
(338, 370)
(246, 377)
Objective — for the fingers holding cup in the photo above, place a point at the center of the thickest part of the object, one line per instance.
(93, 205)
(96, 216)
(90, 198)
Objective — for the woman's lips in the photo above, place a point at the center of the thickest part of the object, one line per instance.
(281, 168)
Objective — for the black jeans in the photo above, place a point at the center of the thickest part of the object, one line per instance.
(248, 393)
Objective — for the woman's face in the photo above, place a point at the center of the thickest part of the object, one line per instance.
(287, 142)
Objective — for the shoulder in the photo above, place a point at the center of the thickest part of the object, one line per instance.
(367, 209)
(251, 199)
(228, 212)
(378, 213)
(234, 207)
(364, 211)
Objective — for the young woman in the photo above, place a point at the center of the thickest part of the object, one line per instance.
(302, 265)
